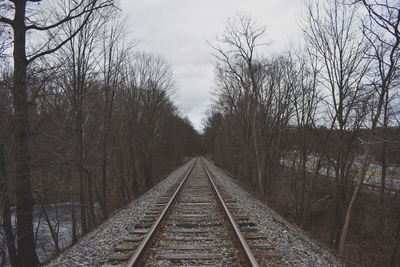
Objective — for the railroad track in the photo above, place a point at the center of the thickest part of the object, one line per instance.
(192, 225)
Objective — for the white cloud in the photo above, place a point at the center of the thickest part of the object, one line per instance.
(178, 29)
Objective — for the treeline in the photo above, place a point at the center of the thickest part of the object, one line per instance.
(91, 121)
(320, 103)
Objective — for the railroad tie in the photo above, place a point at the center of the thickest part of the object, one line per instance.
(194, 256)
(120, 257)
(125, 247)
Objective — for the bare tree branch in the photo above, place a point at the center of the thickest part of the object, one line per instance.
(88, 14)
(6, 20)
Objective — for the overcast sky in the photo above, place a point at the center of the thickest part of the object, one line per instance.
(178, 30)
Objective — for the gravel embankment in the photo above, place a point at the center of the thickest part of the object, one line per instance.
(296, 248)
(94, 248)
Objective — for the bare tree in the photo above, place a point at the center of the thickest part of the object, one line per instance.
(115, 53)
(305, 101)
(5, 134)
(331, 32)
(383, 16)
(20, 16)
(343, 70)
(4, 40)
(154, 78)
(80, 57)
(236, 60)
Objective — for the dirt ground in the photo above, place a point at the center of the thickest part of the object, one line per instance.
(372, 231)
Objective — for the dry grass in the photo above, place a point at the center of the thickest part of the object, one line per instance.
(372, 230)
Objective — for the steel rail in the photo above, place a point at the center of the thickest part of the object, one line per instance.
(139, 252)
(244, 246)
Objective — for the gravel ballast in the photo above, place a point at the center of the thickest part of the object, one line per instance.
(94, 248)
(296, 248)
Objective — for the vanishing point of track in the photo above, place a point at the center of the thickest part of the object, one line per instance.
(193, 226)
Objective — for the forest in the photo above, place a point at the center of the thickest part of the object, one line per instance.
(85, 118)
(306, 128)
(89, 120)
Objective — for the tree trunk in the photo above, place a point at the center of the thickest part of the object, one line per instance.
(303, 184)
(92, 214)
(360, 180)
(122, 184)
(383, 171)
(53, 232)
(337, 220)
(72, 201)
(25, 240)
(294, 161)
(148, 165)
(259, 160)
(363, 169)
(134, 173)
(104, 160)
(80, 157)
(314, 178)
(395, 261)
(7, 226)
(83, 202)
(384, 166)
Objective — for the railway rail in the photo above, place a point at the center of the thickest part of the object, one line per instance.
(195, 224)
